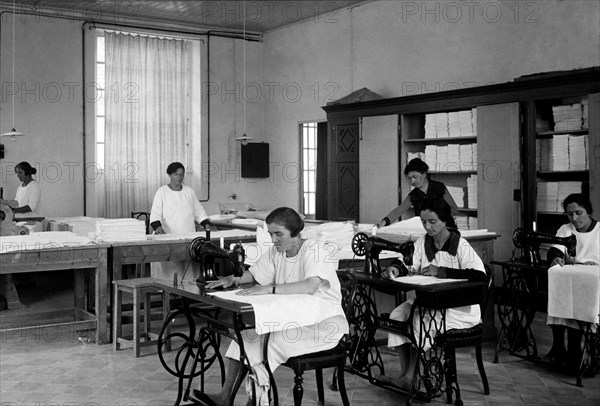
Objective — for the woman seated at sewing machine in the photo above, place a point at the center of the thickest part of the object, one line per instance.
(578, 209)
(423, 187)
(442, 253)
(292, 265)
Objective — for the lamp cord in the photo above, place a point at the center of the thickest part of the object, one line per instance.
(243, 63)
(13, 65)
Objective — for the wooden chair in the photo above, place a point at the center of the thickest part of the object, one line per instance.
(461, 338)
(335, 357)
(140, 269)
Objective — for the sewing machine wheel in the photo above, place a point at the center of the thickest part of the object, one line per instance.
(358, 244)
(518, 237)
(194, 249)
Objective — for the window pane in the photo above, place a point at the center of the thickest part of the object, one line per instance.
(312, 160)
(305, 181)
(312, 138)
(304, 136)
(312, 187)
(100, 55)
(100, 129)
(100, 102)
(101, 75)
(311, 204)
(100, 156)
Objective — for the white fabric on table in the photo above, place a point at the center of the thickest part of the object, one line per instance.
(574, 292)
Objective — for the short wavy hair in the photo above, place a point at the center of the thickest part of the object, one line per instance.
(288, 218)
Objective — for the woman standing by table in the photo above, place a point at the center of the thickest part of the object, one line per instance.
(292, 265)
(443, 253)
(578, 209)
(29, 193)
(176, 210)
(423, 188)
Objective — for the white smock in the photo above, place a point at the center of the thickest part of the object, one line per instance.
(275, 267)
(457, 317)
(30, 195)
(587, 250)
(176, 211)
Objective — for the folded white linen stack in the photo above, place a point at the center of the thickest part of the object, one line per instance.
(567, 118)
(340, 233)
(574, 292)
(441, 125)
(473, 225)
(547, 196)
(560, 152)
(431, 155)
(565, 188)
(465, 154)
(125, 229)
(472, 192)
(430, 122)
(462, 222)
(454, 124)
(453, 158)
(578, 152)
(281, 312)
(465, 118)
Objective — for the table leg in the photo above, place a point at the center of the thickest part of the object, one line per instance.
(101, 299)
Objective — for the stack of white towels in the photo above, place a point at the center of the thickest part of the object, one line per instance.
(454, 124)
(125, 229)
(550, 195)
(568, 117)
(563, 152)
(472, 192)
(466, 222)
(450, 158)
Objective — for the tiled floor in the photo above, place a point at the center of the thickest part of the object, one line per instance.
(54, 367)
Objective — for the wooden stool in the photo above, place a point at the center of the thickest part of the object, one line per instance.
(141, 289)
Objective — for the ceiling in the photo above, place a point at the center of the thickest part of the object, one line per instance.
(260, 16)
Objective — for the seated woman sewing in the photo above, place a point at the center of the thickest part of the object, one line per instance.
(292, 265)
(443, 253)
(578, 209)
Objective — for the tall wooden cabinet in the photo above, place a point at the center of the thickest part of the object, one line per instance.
(509, 134)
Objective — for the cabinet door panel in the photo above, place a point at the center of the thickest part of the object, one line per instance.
(498, 173)
(378, 174)
(342, 182)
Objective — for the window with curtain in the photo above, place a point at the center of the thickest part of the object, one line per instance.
(143, 115)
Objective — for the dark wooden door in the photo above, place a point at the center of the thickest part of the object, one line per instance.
(342, 171)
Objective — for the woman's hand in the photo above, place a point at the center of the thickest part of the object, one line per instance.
(381, 223)
(256, 290)
(224, 282)
(557, 261)
(159, 230)
(390, 272)
(430, 270)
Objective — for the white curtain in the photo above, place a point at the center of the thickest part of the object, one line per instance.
(147, 117)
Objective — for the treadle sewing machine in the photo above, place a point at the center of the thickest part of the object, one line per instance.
(529, 244)
(371, 247)
(516, 300)
(215, 261)
(430, 303)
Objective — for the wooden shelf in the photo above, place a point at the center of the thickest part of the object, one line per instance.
(467, 210)
(471, 140)
(564, 175)
(550, 213)
(452, 172)
(549, 134)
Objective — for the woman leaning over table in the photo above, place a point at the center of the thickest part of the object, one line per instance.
(416, 171)
(29, 193)
(291, 265)
(578, 209)
(176, 210)
(443, 253)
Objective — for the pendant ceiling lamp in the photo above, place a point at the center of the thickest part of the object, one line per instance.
(13, 132)
(244, 139)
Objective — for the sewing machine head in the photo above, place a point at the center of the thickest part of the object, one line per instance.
(7, 226)
(215, 261)
(371, 247)
(529, 243)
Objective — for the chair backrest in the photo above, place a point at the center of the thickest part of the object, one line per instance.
(490, 284)
(142, 215)
(348, 287)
